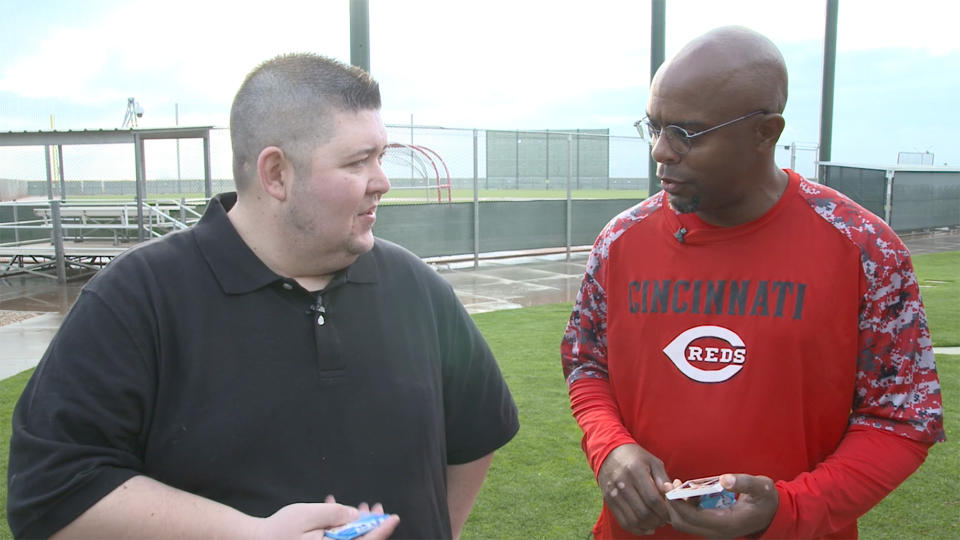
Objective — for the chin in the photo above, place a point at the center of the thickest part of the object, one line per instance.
(684, 205)
(361, 245)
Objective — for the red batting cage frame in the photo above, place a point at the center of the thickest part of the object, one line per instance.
(424, 162)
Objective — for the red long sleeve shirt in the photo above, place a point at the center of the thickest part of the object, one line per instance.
(794, 347)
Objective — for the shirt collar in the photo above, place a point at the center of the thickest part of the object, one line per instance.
(234, 264)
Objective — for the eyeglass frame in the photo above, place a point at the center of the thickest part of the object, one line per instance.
(688, 137)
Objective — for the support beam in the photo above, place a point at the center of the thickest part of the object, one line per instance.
(658, 33)
(48, 157)
(360, 34)
(826, 95)
(207, 175)
(141, 183)
(58, 241)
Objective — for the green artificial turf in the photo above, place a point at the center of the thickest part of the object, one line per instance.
(540, 486)
(939, 277)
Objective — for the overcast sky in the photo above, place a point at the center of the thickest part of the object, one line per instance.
(504, 64)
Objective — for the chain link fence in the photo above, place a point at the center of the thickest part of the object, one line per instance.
(505, 164)
(455, 192)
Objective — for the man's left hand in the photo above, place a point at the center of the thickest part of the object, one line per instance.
(757, 503)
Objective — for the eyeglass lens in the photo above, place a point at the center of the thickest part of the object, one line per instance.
(676, 138)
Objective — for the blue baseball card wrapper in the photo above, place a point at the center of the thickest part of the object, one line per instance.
(723, 499)
(359, 527)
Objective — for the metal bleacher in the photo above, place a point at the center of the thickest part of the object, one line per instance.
(79, 237)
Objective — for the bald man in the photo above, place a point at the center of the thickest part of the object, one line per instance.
(747, 323)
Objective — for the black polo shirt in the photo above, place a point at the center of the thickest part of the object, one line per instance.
(188, 360)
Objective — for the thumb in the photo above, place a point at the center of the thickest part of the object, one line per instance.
(755, 486)
(324, 515)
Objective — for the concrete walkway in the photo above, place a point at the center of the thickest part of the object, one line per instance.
(23, 343)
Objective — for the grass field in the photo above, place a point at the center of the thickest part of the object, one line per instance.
(540, 485)
(939, 277)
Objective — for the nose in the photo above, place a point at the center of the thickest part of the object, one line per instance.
(661, 152)
(378, 182)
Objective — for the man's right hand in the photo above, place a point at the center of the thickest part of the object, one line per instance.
(630, 480)
(310, 520)
(144, 508)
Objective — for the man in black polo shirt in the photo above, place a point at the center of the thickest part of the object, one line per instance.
(273, 354)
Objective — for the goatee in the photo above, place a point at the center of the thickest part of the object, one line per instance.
(685, 206)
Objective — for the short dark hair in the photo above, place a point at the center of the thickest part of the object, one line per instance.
(287, 102)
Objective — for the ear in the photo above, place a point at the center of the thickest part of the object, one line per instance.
(769, 130)
(274, 172)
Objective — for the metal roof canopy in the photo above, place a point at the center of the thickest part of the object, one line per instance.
(49, 139)
(100, 136)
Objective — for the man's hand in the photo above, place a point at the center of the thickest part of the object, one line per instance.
(756, 505)
(310, 520)
(630, 480)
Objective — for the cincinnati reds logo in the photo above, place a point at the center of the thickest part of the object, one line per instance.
(708, 354)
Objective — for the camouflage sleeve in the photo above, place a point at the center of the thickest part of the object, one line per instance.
(584, 354)
(584, 347)
(897, 388)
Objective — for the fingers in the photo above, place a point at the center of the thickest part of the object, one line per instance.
(333, 515)
(627, 508)
(630, 480)
(384, 530)
(755, 508)
(758, 487)
(302, 517)
(652, 497)
(364, 508)
(643, 491)
(629, 502)
(308, 520)
(686, 517)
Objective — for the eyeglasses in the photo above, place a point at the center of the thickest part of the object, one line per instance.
(678, 138)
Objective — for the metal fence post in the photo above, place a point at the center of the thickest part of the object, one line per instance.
(658, 33)
(63, 180)
(888, 195)
(547, 179)
(828, 81)
(578, 159)
(516, 163)
(569, 234)
(58, 241)
(47, 154)
(207, 175)
(426, 184)
(360, 34)
(140, 181)
(476, 204)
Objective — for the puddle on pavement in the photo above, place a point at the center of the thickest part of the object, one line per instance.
(37, 293)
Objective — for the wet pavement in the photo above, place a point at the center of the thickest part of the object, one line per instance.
(495, 284)
(922, 243)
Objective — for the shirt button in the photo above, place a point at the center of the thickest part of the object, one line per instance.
(287, 286)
